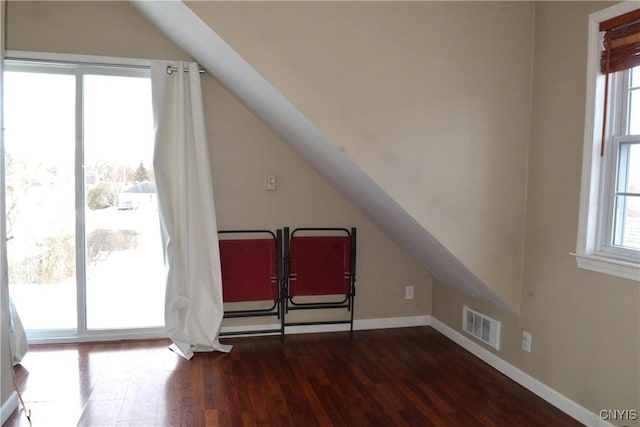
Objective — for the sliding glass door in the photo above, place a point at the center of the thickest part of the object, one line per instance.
(85, 257)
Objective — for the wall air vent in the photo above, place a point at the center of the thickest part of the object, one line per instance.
(482, 327)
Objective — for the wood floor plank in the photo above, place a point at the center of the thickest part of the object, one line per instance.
(400, 377)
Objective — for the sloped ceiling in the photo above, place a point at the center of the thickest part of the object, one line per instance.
(221, 61)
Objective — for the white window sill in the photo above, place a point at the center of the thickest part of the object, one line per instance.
(611, 266)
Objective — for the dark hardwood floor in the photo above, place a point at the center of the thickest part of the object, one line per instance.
(392, 377)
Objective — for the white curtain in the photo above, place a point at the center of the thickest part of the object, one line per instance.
(193, 304)
(18, 336)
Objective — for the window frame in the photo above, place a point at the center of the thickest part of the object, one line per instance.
(598, 172)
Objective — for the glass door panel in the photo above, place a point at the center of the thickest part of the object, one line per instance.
(124, 266)
(40, 196)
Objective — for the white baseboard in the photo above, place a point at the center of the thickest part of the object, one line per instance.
(358, 325)
(558, 400)
(7, 408)
(392, 322)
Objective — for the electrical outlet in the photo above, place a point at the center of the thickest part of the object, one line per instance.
(526, 341)
(408, 292)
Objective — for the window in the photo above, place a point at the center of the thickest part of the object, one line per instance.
(620, 236)
(609, 224)
(85, 258)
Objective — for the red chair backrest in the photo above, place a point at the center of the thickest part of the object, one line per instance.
(320, 265)
(249, 270)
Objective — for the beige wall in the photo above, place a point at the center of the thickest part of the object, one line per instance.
(243, 151)
(585, 325)
(91, 28)
(421, 96)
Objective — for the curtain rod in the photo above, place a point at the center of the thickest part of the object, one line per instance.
(59, 62)
(74, 59)
(83, 60)
(171, 69)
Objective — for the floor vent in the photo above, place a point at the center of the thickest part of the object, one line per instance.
(482, 327)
